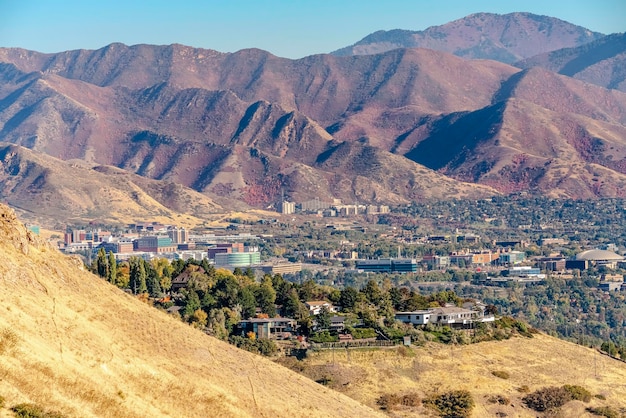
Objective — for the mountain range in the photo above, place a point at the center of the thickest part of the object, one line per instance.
(247, 128)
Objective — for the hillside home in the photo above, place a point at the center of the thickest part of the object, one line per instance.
(269, 328)
(315, 306)
(450, 315)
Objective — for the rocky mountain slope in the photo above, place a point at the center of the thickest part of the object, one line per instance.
(387, 128)
(506, 38)
(602, 62)
(72, 343)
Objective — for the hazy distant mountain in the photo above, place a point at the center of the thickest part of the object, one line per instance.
(602, 62)
(506, 38)
(251, 126)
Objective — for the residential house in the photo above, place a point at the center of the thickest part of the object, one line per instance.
(449, 315)
(269, 328)
(315, 306)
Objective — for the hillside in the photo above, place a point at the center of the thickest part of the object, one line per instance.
(602, 62)
(46, 188)
(435, 368)
(71, 343)
(506, 38)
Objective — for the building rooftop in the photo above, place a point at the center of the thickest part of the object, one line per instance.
(598, 255)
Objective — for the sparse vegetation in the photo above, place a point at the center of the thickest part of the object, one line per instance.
(603, 411)
(29, 410)
(8, 340)
(389, 401)
(456, 403)
(499, 399)
(502, 374)
(578, 393)
(548, 398)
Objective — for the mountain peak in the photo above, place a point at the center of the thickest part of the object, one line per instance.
(506, 38)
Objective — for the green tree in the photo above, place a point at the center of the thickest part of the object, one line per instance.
(112, 268)
(323, 318)
(137, 275)
(348, 298)
(247, 302)
(266, 297)
(102, 264)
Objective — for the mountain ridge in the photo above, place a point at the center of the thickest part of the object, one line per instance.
(507, 38)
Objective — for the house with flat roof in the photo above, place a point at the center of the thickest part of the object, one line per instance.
(269, 328)
(452, 316)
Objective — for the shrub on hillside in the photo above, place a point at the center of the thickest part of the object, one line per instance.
(603, 411)
(578, 393)
(29, 410)
(359, 333)
(547, 398)
(8, 340)
(261, 346)
(323, 337)
(501, 374)
(456, 403)
(499, 399)
(390, 400)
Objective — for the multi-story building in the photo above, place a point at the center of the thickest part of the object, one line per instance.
(154, 244)
(237, 259)
(287, 207)
(388, 265)
(177, 235)
(230, 247)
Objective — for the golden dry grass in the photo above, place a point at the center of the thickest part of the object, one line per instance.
(86, 349)
(537, 362)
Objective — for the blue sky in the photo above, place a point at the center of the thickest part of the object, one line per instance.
(290, 28)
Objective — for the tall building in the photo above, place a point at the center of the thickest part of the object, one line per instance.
(287, 207)
(177, 235)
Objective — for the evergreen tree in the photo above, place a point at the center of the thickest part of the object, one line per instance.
(266, 297)
(348, 298)
(137, 275)
(102, 264)
(323, 318)
(247, 302)
(112, 268)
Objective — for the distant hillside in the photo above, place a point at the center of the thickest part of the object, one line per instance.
(48, 188)
(506, 38)
(602, 62)
(72, 343)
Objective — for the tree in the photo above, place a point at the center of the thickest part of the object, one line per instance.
(102, 264)
(247, 302)
(112, 268)
(266, 297)
(137, 275)
(348, 298)
(323, 318)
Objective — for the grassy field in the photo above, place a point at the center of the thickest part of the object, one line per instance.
(72, 343)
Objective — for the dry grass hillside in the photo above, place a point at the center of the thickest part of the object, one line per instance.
(531, 364)
(69, 342)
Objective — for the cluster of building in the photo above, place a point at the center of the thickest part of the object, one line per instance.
(452, 316)
(150, 241)
(330, 209)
